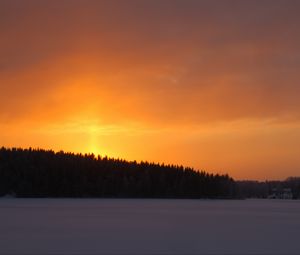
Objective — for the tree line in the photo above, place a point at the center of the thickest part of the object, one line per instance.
(269, 189)
(45, 173)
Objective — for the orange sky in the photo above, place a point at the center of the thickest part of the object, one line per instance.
(209, 84)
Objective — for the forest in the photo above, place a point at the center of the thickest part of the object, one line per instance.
(45, 173)
(288, 188)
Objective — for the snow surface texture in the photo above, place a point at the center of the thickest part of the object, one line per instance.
(150, 226)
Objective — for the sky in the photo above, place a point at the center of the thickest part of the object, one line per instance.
(211, 84)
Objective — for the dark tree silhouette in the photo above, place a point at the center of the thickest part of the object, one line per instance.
(265, 189)
(45, 173)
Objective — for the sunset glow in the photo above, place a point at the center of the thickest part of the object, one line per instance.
(158, 81)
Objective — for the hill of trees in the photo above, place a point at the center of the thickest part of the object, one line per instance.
(45, 173)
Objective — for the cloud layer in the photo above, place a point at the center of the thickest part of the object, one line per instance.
(159, 66)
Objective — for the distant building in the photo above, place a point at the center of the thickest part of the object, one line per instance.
(285, 193)
(274, 194)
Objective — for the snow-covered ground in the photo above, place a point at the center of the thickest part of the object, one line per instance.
(150, 226)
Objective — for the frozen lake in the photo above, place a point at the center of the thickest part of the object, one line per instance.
(152, 226)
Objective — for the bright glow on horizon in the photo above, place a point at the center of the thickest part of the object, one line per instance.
(180, 82)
